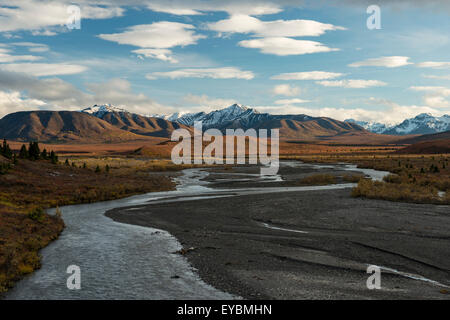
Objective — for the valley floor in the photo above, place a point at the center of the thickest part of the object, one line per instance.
(306, 244)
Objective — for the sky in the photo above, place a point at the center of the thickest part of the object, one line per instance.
(318, 58)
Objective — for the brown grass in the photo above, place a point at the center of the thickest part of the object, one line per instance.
(32, 185)
(397, 192)
(413, 178)
(317, 179)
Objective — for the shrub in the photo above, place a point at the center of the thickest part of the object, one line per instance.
(36, 214)
(392, 178)
(318, 179)
(352, 177)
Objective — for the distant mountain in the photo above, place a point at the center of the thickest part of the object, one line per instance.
(132, 122)
(374, 127)
(290, 126)
(423, 123)
(63, 126)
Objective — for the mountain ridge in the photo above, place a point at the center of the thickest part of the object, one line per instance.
(424, 123)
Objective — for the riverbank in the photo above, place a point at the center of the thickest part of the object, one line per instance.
(305, 244)
(30, 186)
(415, 178)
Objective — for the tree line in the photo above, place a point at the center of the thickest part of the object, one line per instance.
(33, 152)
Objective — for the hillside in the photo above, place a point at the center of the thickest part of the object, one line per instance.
(135, 123)
(426, 137)
(63, 126)
(428, 147)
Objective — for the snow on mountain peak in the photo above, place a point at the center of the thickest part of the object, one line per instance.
(102, 109)
(424, 123)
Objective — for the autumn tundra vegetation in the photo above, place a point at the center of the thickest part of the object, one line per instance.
(33, 177)
(33, 180)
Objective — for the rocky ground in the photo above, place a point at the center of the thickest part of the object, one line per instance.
(306, 244)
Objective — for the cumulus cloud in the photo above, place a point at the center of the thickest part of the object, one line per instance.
(11, 101)
(213, 73)
(309, 75)
(393, 114)
(388, 62)
(44, 69)
(434, 64)
(435, 97)
(282, 46)
(286, 90)
(352, 83)
(57, 94)
(278, 28)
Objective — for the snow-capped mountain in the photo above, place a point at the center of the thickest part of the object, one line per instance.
(133, 122)
(214, 118)
(233, 117)
(375, 127)
(100, 110)
(423, 123)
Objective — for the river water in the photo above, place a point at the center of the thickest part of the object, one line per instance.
(121, 261)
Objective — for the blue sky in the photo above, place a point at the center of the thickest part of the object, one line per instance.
(317, 58)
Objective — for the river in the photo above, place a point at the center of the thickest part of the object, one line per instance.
(121, 261)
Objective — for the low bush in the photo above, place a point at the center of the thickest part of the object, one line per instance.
(318, 179)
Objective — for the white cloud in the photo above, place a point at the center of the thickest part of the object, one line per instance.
(391, 115)
(156, 38)
(434, 64)
(38, 15)
(5, 56)
(32, 46)
(283, 46)
(353, 83)
(435, 96)
(57, 94)
(286, 90)
(44, 69)
(441, 90)
(12, 101)
(441, 77)
(290, 101)
(205, 103)
(310, 75)
(160, 54)
(213, 73)
(241, 23)
(196, 7)
(388, 62)
(162, 34)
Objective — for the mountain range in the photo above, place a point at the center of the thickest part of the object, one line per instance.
(290, 126)
(106, 123)
(423, 123)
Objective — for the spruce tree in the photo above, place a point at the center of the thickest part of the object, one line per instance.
(23, 154)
